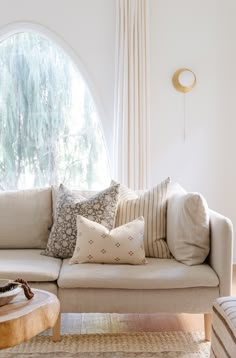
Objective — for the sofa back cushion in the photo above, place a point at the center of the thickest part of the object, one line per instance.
(25, 218)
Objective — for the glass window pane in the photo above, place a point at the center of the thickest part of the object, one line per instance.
(49, 127)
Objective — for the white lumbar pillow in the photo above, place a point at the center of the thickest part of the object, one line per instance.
(188, 227)
(122, 245)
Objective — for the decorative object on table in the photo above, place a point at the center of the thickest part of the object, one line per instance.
(9, 289)
(27, 290)
(184, 80)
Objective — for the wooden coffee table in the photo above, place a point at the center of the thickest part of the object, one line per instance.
(23, 319)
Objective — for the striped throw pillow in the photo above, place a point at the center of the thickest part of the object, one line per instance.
(125, 193)
(152, 205)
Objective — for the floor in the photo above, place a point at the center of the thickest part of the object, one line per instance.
(103, 323)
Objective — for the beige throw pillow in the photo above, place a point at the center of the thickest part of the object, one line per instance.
(95, 243)
(188, 227)
(100, 208)
(152, 205)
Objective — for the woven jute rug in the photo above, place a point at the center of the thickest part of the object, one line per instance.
(111, 345)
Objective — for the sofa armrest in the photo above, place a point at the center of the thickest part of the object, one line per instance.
(221, 252)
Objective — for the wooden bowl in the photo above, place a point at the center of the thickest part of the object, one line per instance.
(7, 297)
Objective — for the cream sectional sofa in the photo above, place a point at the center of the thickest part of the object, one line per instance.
(163, 285)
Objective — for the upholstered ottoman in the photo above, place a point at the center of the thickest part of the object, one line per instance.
(223, 342)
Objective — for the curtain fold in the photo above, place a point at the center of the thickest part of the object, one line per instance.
(131, 146)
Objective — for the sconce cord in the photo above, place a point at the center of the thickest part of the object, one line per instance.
(184, 129)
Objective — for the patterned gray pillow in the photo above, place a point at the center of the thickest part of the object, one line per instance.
(61, 195)
(100, 208)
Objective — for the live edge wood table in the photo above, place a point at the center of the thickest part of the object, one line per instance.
(23, 319)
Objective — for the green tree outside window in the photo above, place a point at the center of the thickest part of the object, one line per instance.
(49, 128)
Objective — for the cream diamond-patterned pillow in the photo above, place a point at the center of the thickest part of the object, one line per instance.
(122, 245)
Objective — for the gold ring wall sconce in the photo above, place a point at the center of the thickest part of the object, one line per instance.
(184, 80)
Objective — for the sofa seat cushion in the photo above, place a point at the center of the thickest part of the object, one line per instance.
(29, 265)
(156, 274)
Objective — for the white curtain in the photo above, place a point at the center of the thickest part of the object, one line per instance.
(131, 94)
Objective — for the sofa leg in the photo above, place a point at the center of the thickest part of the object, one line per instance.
(56, 330)
(207, 326)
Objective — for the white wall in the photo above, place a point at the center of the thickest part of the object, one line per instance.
(200, 35)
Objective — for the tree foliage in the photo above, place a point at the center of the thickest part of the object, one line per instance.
(49, 130)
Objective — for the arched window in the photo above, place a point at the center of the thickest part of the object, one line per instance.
(49, 127)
